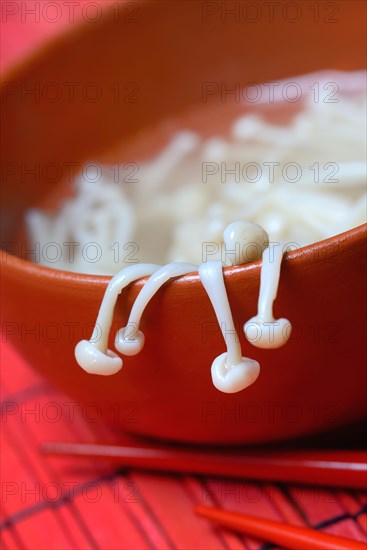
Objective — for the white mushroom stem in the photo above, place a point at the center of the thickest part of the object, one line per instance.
(230, 371)
(263, 331)
(129, 339)
(211, 275)
(269, 281)
(93, 355)
(116, 285)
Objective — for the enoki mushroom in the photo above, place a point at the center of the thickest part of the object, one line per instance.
(231, 372)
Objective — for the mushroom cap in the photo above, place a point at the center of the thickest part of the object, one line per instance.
(94, 361)
(234, 378)
(267, 334)
(129, 344)
(247, 239)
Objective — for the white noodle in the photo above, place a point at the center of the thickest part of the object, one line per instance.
(172, 211)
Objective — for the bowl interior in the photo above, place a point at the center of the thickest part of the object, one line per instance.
(99, 86)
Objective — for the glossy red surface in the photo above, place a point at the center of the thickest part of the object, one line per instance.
(314, 383)
(288, 536)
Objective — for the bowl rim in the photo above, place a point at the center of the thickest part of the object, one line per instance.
(30, 269)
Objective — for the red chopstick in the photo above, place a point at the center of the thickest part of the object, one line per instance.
(282, 534)
(336, 468)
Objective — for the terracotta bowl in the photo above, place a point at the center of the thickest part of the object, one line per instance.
(165, 55)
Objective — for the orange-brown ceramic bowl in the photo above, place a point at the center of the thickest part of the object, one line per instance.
(168, 51)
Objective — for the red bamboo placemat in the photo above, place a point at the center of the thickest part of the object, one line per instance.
(60, 503)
